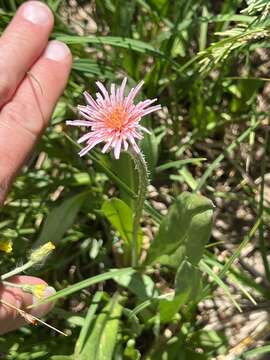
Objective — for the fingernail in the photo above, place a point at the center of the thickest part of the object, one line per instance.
(36, 12)
(42, 309)
(56, 50)
(49, 291)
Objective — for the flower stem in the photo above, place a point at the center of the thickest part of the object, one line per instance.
(10, 284)
(16, 271)
(141, 167)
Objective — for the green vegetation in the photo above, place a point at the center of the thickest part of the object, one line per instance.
(207, 63)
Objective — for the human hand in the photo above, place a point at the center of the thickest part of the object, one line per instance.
(28, 64)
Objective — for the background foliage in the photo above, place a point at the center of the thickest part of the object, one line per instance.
(207, 62)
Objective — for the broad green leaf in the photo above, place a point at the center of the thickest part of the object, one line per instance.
(139, 284)
(187, 286)
(61, 219)
(102, 339)
(184, 231)
(120, 216)
(125, 169)
(150, 148)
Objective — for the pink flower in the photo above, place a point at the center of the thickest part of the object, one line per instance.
(113, 119)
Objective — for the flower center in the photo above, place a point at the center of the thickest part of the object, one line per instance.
(116, 117)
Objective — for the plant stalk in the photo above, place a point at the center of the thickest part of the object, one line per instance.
(141, 167)
(16, 271)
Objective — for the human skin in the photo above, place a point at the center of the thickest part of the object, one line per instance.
(33, 74)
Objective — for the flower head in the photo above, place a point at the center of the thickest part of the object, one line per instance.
(42, 252)
(113, 118)
(39, 290)
(6, 246)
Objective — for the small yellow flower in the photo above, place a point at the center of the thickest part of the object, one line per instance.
(39, 290)
(42, 252)
(6, 246)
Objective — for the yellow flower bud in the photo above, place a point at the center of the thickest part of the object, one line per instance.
(39, 291)
(42, 252)
(6, 246)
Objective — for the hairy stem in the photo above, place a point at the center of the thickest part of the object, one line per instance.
(141, 167)
(18, 270)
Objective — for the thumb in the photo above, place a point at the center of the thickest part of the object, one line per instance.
(10, 319)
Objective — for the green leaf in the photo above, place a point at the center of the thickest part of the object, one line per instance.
(61, 219)
(130, 352)
(204, 267)
(102, 339)
(149, 146)
(122, 42)
(187, 287)
(93, 69)
(184, 231)
(188, 178)
(83, 284)
(125, 169)
(251, 354)
(178, 164)
(233, 145)
(140, 284)
(98, 160)
(80, 343)
(120, 216)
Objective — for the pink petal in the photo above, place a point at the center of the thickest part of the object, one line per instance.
(88, 148)
(78, 123)
(145, 103)
(135, 147)
(100, 100)
(122, 89)
(151, 109)
(85, 137)
(90, 100)
(144, 129)
(117, 148)
(113, 94)
(134, 92)
(106, 146)
(103, 90)
(125, 145)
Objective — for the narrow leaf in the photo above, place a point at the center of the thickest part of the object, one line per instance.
(83, 284)
(102, 340)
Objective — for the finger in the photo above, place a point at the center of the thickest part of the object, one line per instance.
(21, 44)
(24, 118)
(10, 319)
